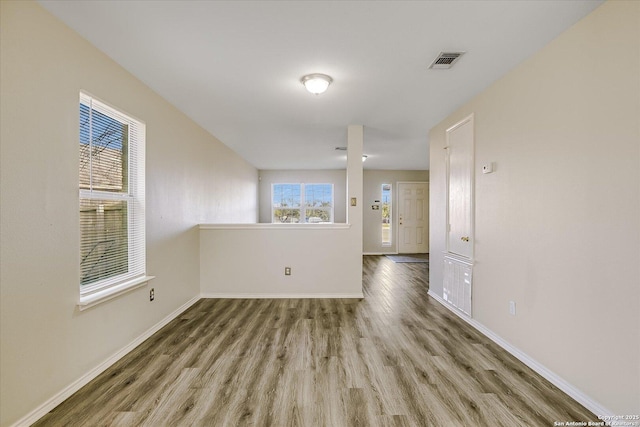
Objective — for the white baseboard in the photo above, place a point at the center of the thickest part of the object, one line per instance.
(61, 396)
(278, 296)
(380, 253)
(549, 375)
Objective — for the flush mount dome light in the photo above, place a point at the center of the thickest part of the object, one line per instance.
(316, 83)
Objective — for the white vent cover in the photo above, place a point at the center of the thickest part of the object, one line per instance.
(445, 60)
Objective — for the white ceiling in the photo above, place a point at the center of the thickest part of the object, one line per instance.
(234, 66)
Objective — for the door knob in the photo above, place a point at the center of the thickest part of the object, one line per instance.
(464, 239)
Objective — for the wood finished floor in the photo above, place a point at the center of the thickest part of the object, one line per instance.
(396, 358)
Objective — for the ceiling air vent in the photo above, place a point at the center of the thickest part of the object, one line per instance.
(445, 60)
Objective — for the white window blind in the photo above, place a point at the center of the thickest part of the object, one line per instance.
(112, 207)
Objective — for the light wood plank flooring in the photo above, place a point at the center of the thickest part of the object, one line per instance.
(396, 358)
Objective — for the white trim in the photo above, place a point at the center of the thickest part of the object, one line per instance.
(274, 226)
(472, 191)
(99, 289)
(303, 202)
(392, 228)
(280, 296)
(107, 293)
(380, 253)
(88, 95)
(397, 217)
(549, 375)
(458, 258)
(65, 393)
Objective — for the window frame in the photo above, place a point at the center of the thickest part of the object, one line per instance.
(133, 196)
(302, 208)
(389, 204)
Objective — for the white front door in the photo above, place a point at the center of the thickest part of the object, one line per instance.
(460, 189)
(413, 217)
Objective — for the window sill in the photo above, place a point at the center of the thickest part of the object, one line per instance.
(95, 298)
(270, 225)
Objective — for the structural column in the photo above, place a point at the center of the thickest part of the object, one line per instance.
(355, 143)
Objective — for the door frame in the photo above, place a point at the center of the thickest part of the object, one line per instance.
(472, 192)
(396, 220)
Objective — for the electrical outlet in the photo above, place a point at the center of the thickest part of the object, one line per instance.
(512, 308)
(152, 294)
(287, 271)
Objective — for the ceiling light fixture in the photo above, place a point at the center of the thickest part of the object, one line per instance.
(316, 83)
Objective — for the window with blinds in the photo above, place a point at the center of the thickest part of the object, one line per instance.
(111, 182)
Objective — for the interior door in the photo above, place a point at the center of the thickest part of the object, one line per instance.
(460, 188)
(413, 217)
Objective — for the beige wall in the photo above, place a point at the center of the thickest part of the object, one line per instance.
(46, 343)
(325, 259)
(558, 222)
(248, 261)
(373, 180)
